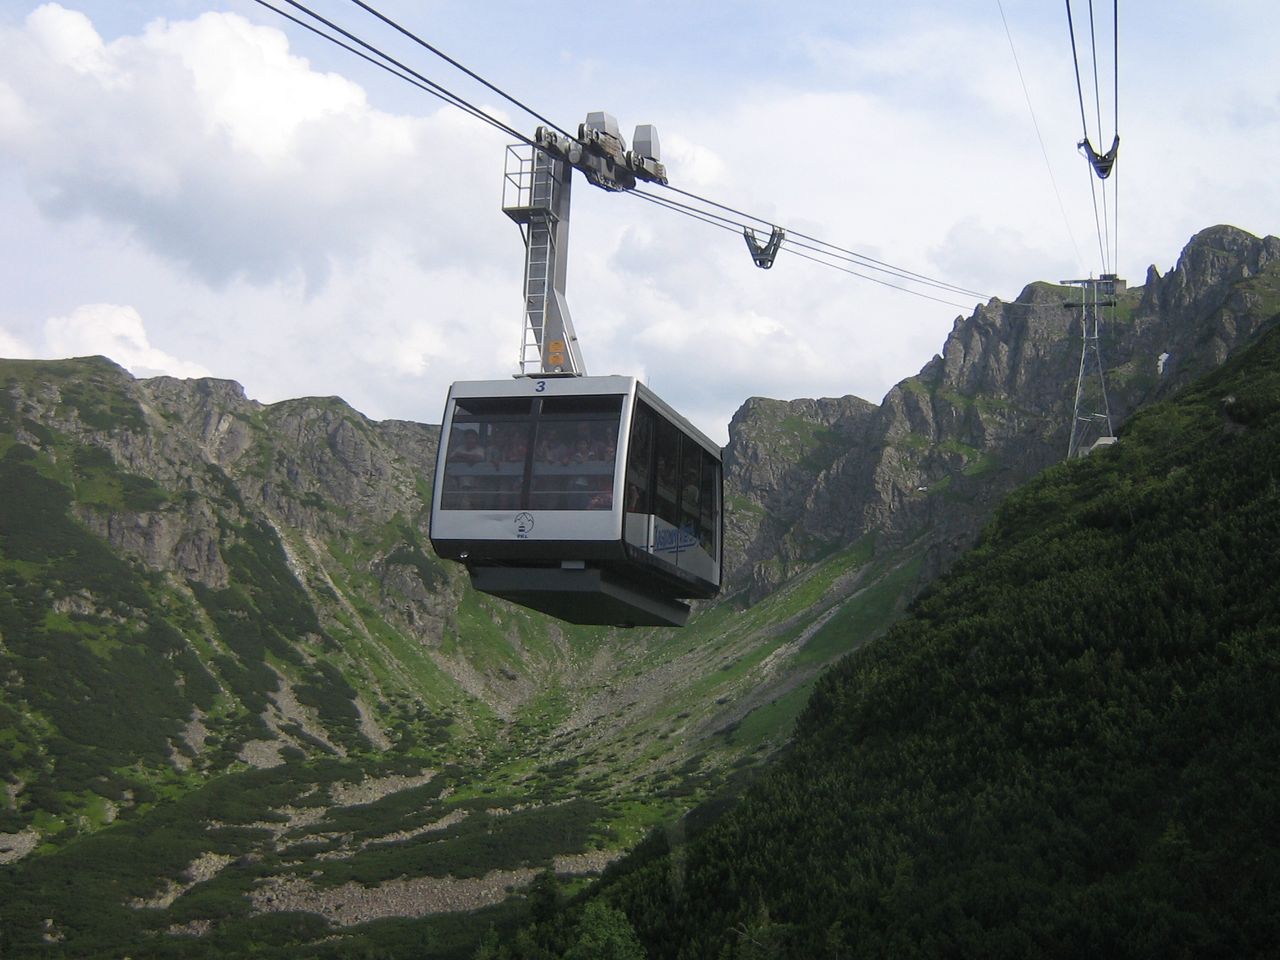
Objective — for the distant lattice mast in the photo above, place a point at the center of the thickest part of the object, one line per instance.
(1091, 424)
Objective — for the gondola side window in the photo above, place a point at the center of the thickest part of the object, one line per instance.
(691, 468)
(573, 464)
(640, 461)
(485, 462)
(556, 453)
(666, 474)
(709, 504)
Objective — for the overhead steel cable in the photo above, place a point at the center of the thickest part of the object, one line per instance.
(676, 204)
(1115, 119)
(1075, 60)
(718, 206)
(1097, 106)
(1097, 222)
(720, 222)
(436, 89)
(1044, 151)
(1115, 62)
(1101, 164)
(724, 223)
(393, 66)
(842, 253)
(857, 260)
(883, 283)
(1097, 86)
(1115, 231)
(454, 63)
(873, 264)
(443, 97)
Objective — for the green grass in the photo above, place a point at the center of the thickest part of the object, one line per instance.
(916, 386)
(774, 721)
(981, 465)
(863, 616)
(735, 504)
(802, 593)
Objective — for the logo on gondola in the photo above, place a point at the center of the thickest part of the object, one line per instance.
(524, 523)
(674, 540)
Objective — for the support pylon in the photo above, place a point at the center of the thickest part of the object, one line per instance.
(1091, 415)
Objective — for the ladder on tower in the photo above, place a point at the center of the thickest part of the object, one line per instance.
(536, 196)
(537, 281)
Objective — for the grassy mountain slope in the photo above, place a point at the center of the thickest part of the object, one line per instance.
(1068, 748)
(237, 688)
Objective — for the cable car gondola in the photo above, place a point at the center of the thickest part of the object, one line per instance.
(587, 498)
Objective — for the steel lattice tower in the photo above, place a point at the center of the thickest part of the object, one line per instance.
(1091, 415)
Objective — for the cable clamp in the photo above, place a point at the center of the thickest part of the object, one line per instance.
(1102, 162)
(763, 255)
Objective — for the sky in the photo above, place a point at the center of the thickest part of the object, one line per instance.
(201, 188)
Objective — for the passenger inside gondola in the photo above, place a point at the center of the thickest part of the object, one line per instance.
(488, 464)
(573, 466)
(470, 450)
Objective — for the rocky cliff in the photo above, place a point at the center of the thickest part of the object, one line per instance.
(990, 411)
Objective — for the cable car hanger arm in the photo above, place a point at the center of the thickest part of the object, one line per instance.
(1101, 162)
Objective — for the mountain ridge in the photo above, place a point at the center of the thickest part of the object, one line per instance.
(957, 420)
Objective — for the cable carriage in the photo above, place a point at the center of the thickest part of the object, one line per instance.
(587, 498)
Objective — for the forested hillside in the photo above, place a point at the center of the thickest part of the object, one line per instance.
(1071, 747)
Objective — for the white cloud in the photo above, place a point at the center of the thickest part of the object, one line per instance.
(11, 348)
(67, 38)
(117, 332)
(215, 147)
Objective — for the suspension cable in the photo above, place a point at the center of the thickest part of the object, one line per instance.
(687, 211)
(883, 283)
(1097, 105)
(833, 252)
(790, 246)
(443, 97)
(442, 92)
(1075, 62)
(1097, 89)
(857, 258)
(735, 225)
(1044, 151)
(398, 69)
(1101, 165)
(873, 264)
(1115, 115)
(454, 63)
(910, 277)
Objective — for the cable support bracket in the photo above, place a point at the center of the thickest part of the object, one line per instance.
(1101, 162)
(601, 154)
(763, 255)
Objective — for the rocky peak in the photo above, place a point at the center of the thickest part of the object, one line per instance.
(213, 413)
(768, 437)
(777, 450)
(991, 410)
(1212, 261)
